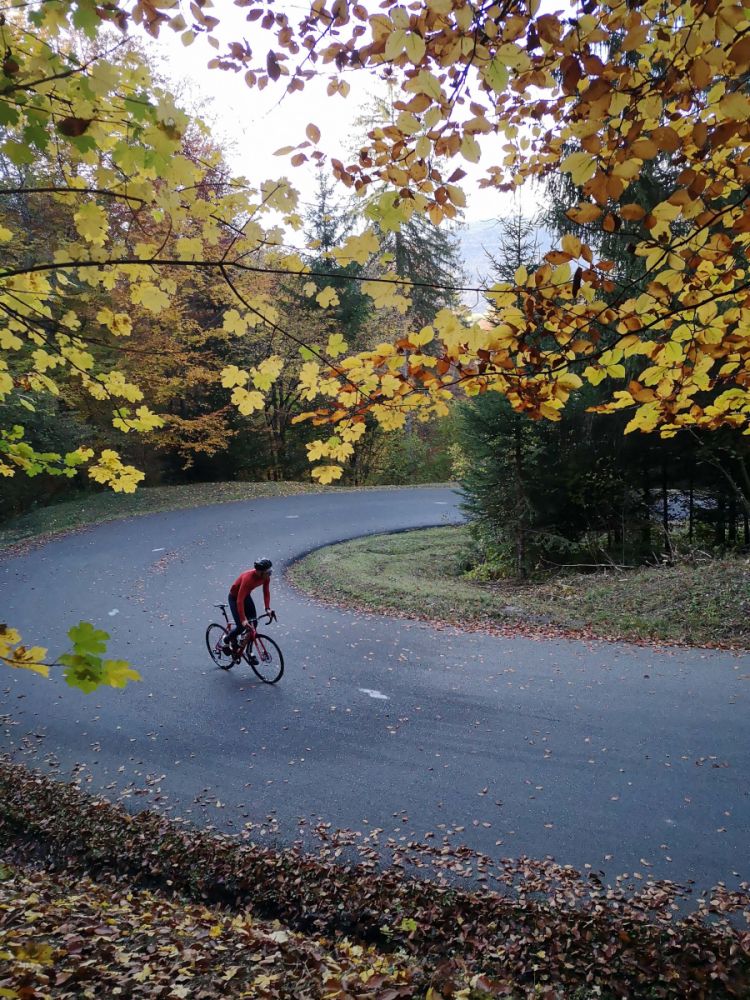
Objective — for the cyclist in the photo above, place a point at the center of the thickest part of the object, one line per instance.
(242, 603)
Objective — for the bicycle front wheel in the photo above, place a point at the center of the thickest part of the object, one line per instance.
(270, 665)
(215, 636)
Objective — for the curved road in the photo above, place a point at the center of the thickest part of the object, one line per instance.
(624, 758)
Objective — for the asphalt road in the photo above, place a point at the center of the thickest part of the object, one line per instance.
(625, 758)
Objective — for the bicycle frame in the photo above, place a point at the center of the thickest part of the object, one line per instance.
(248, 635)
(261, 652)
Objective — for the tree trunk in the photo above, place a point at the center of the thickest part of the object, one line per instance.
(665, 512)
(732, 539)
(520, 503)
(646, 529)
(720, 538)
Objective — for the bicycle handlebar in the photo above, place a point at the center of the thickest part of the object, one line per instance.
(270, 616)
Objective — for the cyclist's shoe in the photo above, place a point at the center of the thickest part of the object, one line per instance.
(226, 649)
(254, 660)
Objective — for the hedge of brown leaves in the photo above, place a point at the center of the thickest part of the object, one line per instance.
(68, 936)
(549, 933)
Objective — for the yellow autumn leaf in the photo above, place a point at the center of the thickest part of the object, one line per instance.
(424, 336)
(571, 244)
(327, 298)
(247, 401)
(357, 248)
(234, 323)
(327, 473)
(581, 166)
(150, 296)
(336, 345)
(415, 47)
(470, 149)
(232, 375)
(316, 450)
(266, 373)
(395, 44)
(92, 223)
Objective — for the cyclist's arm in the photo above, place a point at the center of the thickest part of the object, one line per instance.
(243, 592)
(267, 594)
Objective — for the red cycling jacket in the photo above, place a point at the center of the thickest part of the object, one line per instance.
(247, 582)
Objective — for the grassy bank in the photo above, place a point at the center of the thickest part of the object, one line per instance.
(422, 574)
(97, 902)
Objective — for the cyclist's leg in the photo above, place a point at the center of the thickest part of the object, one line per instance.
(232, 636)
(252, 616)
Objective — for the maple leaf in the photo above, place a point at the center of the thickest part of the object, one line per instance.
(327, 298)
(326, 474)
(92, 223)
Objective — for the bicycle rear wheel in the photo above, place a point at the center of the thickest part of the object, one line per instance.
(270, 665)
(215, 636)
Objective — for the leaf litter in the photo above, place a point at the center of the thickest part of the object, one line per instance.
(96, 901)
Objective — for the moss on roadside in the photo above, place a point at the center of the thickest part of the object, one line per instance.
(422, 573)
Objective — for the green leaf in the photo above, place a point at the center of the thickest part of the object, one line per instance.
(139, 107)
(496, 75)
(8, 114)
(86, 18)
(85, 669)
(84, 672)
(83, 143)
(18, 153)
(36, 135)
(87, 639)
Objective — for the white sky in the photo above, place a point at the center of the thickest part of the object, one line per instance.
(253, 124)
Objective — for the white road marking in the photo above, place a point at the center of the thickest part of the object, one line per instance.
(374, 694)
(292, 515)
(113, 612)
(441, 503)
(157, 550)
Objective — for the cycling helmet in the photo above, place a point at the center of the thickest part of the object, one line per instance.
(263, 565)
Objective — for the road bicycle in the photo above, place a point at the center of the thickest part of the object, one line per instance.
(258, 650)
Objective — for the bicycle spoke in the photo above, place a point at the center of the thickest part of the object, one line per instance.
(215, 638)
(270, 662)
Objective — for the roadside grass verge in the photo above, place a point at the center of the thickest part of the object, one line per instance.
(422, 574)
(95, 901)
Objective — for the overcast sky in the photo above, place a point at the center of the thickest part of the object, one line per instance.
(254, 124)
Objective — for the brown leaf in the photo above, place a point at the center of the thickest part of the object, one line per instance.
(73, 127)
(272, 65)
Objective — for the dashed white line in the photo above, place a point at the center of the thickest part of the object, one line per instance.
(113, 612)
